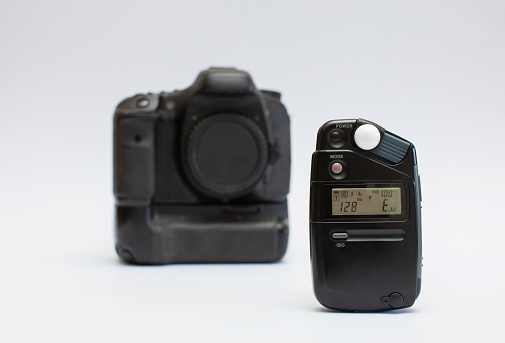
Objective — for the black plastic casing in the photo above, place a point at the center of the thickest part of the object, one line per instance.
(163, 215)
(373, 262)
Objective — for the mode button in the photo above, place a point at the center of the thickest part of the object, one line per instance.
(337, 169)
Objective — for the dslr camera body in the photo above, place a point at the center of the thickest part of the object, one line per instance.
(202, 174)
(365, 218)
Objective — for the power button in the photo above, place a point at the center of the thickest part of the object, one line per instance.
(336, 138)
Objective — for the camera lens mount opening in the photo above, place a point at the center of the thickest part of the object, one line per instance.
(226, 155)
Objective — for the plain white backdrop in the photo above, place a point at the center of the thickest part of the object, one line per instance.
(431, 71)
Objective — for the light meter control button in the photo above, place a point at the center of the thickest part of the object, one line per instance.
(336, 137)
(394, 300)
(337, 168)
(339, 235)
(367, 136)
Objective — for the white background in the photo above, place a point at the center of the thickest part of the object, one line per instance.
(431, 71)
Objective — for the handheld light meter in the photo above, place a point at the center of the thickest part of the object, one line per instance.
(365, 218)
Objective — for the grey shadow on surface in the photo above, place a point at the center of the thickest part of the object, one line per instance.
(390, 312)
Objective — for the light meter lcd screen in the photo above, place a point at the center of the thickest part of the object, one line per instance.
(366, 201)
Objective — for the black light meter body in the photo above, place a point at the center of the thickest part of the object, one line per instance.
(365, 218)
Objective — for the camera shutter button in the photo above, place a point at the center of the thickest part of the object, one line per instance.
(143, 103)
(367, 137)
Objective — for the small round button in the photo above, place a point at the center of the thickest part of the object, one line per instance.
(142, 103)
(335, 137)
(337, 168)
(367, 136)
(394, 300)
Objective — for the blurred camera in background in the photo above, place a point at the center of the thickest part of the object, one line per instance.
(202, 174)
